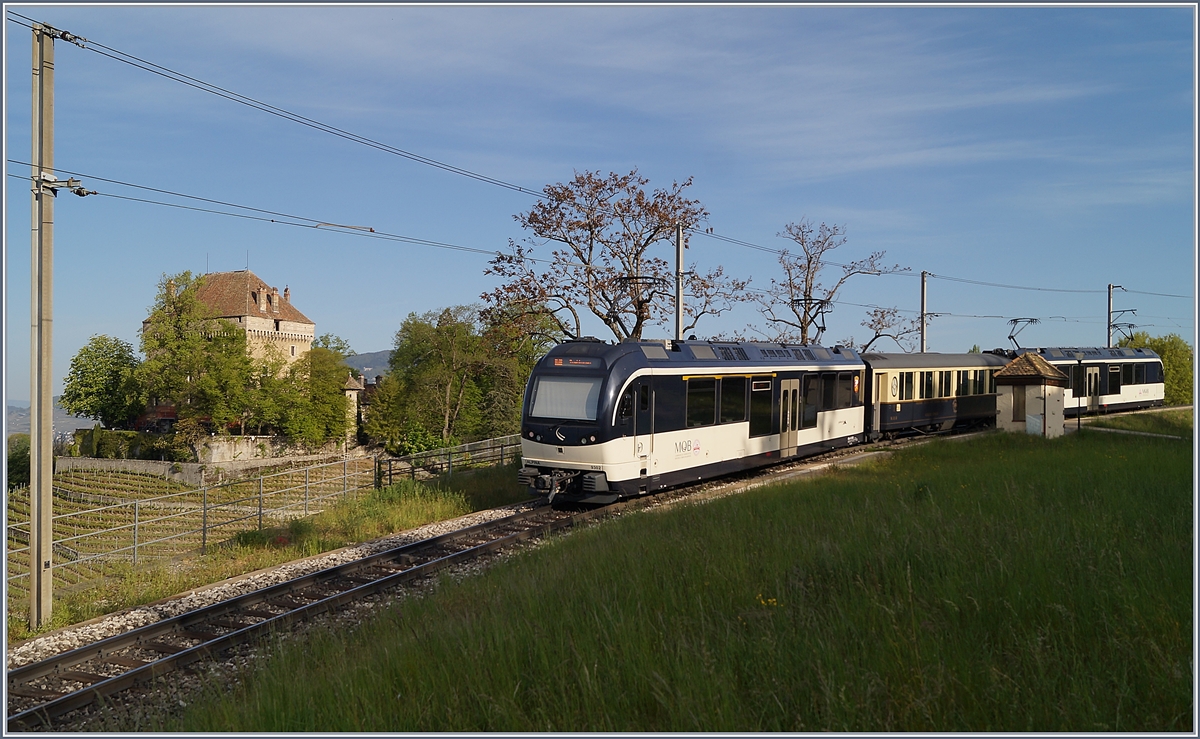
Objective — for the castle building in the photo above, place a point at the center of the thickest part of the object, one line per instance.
(267, 317)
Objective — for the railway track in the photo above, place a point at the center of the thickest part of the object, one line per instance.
(41, 692)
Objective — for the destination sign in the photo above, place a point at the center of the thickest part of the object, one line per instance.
(576, 362)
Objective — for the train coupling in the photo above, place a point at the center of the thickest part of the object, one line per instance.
(550, 484)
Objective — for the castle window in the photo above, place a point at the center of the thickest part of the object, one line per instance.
(276, 324)
(293, 350)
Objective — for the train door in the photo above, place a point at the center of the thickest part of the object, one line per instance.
(789, 405)
(880, 382)
(643, 424)
(1093, 389)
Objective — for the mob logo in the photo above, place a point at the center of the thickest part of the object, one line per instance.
(687, 446)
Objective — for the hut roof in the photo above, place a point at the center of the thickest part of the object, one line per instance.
(1029, 368)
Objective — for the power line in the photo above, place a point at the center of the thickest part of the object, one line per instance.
(311, 222)
(168, 73)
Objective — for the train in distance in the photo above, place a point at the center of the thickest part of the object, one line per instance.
(605, 421)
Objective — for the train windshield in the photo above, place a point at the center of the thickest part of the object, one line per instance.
(572, 398)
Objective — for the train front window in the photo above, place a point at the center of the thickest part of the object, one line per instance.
(569, 398)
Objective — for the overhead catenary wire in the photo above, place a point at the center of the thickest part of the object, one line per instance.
(171, 74)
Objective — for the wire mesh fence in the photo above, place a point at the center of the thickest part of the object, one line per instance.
(501, 450)
(106, 522)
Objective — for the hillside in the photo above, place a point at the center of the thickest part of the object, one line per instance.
(18, 419)
(371, 364)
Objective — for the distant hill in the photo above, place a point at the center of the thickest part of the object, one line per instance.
(18, 420)
(372, 364)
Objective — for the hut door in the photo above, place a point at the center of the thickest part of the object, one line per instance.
(789, 404)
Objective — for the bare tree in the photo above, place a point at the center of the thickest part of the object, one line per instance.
(886, 323)
(795, 306)
(603, 228)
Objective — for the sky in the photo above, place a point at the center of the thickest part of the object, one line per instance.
(1041, 147)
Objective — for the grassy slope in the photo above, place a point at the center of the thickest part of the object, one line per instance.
(1006, 583)
(1169, 422)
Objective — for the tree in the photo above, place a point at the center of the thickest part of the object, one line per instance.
(795, 306)
(604, 228)
(314, 408)
(513, 343)
(1177, 358)
(335, 344)
(193, 359)
(18, 460)
(886, 323)
(436, 359)
(102, 383)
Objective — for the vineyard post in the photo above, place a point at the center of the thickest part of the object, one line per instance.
(135, 530)
(260, 502)
(306, 469)
(204, 521)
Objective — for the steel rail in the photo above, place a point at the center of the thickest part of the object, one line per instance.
(57, 664)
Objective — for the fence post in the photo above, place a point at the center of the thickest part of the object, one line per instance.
(345, 479)
(204, 522)
(449, 461)
(260, 503)
(135, 530)
(306, 469)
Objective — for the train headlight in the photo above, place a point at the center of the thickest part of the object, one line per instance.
(593, 438)
(531, 434)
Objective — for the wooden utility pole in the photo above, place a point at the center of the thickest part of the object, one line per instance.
(41, 450)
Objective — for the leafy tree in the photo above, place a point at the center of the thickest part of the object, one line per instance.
(335, 344)
(1178, 361)
(513, 342)
(795, 307)
(314, 407)
(18, 460)
(604, 228)
(102, 383)
(975, 349)
(194, 360)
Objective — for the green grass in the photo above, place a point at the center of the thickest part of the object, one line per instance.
(1177, 422)
(1007, 583)
(402, 506)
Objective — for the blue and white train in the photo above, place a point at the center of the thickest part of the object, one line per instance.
(606, 421)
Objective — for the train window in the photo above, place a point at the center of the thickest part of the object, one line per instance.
(1078, 373)
(960, 382)
(828, 391)
(1114, 379)
(845, 396)
(906, 386)
(977, 383)
(1155, 372)
(574, 398)
(812, 401)
(625, 410)
(668, 403)
(944, 384)
(1127, 374)
(701, 402)
(733, 399)
(925, 388)
(644, 401)
(1139, 373)
(760, 407)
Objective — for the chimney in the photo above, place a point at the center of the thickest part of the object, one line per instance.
(275, 299)
(261, 300)
(287, 293)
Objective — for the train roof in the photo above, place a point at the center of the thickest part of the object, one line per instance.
(928, 360)
(586, 352)
(1067, 353)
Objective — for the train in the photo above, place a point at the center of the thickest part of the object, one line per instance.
(603, 421)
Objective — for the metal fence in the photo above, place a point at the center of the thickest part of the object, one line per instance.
(97, 534)
(500, 450)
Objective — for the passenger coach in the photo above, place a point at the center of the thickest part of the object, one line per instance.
(603, 421)
(1107, 379)
(930, 392)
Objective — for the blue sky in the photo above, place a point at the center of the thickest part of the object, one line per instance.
(1033, 146)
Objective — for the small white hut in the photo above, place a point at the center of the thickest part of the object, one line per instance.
(1029, 396)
